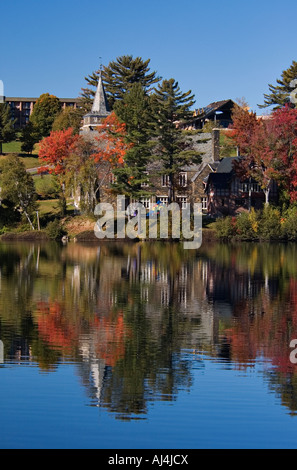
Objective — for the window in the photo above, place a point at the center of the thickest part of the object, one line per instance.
(163, 200)
(222, 192)
(244, 187)
(112, 178)
(183, 179)
(146, 202)
(255, 188)
(182, 200)
(204, 203)
(145, 183)
(165, 180)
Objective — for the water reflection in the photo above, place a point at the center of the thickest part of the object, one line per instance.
(136, 318)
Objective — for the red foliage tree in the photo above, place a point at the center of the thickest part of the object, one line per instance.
(56, 148)
(244, 127)
(268, 147)
(282, 129)
(112, 143)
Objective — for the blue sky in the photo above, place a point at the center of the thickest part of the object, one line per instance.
(219, 50)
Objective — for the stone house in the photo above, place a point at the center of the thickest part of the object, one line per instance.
(228, 195)
(190, 182)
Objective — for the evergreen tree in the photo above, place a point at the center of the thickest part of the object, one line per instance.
(134, 111)
(118, 77)
(45, 110)
(174, 147)
(7, 132)
(280, 94)
(28, 138)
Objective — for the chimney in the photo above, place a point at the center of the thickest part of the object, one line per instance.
(215, 145)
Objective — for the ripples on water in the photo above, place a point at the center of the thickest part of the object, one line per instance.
(125, 330)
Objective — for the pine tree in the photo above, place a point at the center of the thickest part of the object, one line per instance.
(7, 132)
(134, 111)
(28, 138)
(118, 77)
(280, 94)
(174, 148)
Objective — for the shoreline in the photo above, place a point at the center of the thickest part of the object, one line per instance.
(89, 236)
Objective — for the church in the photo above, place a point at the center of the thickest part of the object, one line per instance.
(99, 111)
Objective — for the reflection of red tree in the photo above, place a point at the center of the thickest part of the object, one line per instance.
(267, 332)
(293, 303)
(57, 329)
(110, 338)
(54, 326)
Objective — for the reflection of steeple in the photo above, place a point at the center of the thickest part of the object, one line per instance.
(91, 369)
(1, 352)
(100, 109)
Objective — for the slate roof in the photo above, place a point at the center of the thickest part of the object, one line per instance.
(226, 164)
(100, 106)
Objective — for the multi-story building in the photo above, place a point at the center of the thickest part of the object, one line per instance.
(21, 108)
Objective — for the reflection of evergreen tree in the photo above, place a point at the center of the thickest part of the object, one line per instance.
(285, 386)
(17, 283)
(127, 312)
(151, 365)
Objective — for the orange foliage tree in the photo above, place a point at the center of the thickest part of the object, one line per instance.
(112, 143)
(56, 148)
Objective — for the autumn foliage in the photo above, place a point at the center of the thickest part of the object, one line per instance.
(56, 148)
(111, 334)
(283, 129)
(268, 147)
(54, 327)
(111, 139)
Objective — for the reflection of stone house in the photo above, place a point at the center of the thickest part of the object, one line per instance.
(228, 195)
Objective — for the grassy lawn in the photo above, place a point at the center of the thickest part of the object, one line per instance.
(51, 207)
(12, 147)
(15, 147)
(29, 161)
(48, 206)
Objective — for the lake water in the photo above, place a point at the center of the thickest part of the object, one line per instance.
(147, 346)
